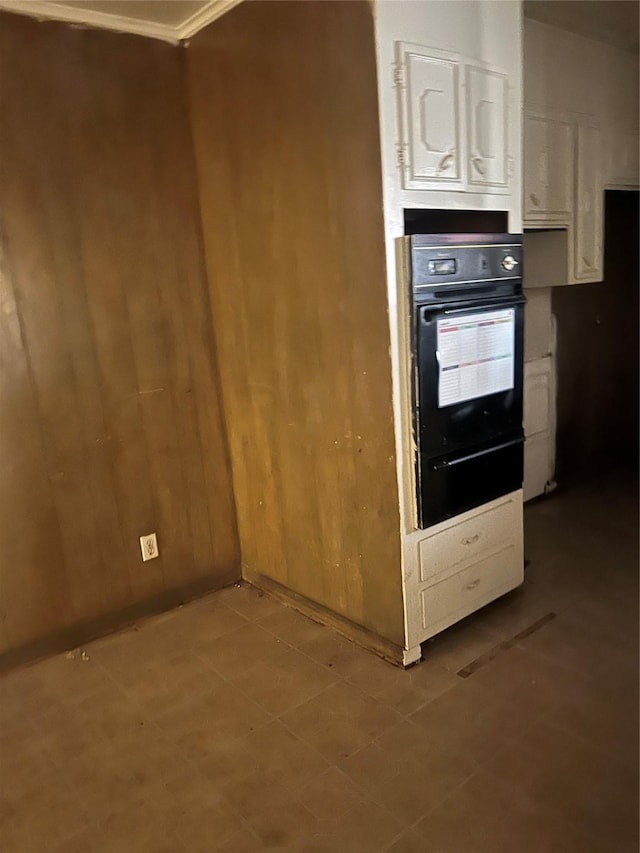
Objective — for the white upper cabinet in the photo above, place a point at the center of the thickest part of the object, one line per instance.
(486, 118)
(453, 122)
(563, 186)
(430, 147)
(580, 135)
(548, 168)
(589, 202)
(622, 157)
(450, 104)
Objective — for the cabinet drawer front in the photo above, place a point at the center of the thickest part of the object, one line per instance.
(448, 550)
(472, 587)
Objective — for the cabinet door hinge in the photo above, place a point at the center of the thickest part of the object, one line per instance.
(401, 154)
(398, 75)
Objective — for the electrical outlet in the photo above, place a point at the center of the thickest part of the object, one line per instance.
(149, 547)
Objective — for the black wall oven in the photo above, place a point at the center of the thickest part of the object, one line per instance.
(467, 313)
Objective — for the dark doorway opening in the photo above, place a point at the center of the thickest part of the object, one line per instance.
(597, 366)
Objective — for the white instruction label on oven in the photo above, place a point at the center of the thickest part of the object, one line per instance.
(475, 355)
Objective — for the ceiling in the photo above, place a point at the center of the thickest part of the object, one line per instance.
(613, 21)
(170, 20)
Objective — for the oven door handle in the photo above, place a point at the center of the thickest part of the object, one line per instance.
(446, 464)
(493, 305)
(487, 306)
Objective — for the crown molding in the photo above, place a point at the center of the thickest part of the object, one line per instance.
(44, 10)
(214, 9)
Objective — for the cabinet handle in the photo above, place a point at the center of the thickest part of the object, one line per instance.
(534, 199)
(446, 160)
(471, 539)
(479, 164)
(473, 584)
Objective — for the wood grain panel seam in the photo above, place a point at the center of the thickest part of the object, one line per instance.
(5, 250)
(104, 415)
(210, 328)
(72, 358)
(165, 313)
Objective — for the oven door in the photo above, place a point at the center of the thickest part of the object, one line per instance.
(468, 405)
(457, 482)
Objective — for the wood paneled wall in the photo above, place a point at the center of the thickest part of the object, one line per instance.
(598, 354)
(110, 419)
(285, 121)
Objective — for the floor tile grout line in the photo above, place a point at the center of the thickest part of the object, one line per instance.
(570, 668)
(345, 677)
(161, 732)
(504, 646)
(63, 770)
(195, 767)
(246, 696)
(449, 795)
(370, 795)
(272, 716)
(545, 718)
(338, 675)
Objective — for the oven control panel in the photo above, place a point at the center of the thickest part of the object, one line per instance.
(442, 266)
(437, 260)
(509, 263)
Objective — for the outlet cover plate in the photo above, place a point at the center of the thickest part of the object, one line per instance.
(149, 547)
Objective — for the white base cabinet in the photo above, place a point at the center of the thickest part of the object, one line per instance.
(466, 562)
(539, 426)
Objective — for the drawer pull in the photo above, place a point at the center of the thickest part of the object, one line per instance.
(471, 540)
(473, 584)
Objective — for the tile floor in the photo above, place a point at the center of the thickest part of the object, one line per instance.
(236, 724)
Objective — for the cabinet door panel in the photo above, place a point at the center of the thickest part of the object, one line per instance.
(537, 397)
(587, 245)
(539, 430)
(548, 165)
(622, 157)
(536, 465)
(487, 98)
(430, 111)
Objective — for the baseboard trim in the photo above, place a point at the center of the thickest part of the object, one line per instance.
(100, 626)
(362, 637)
